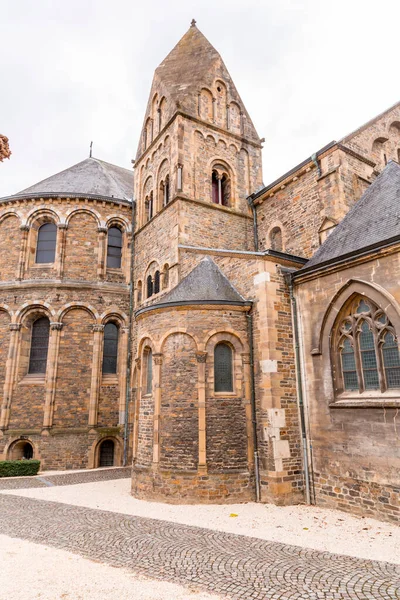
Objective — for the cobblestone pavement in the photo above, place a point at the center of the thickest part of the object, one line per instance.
(233, 566)
(40, 481)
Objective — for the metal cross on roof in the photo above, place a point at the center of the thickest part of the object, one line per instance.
(193, 23)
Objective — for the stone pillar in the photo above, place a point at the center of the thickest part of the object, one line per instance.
(157, 359)
(62, 228)
(219, 178)
(179, 182)
(11, 366)
(102, 258)
(248, 412)
(137, 408)
(22, 255)
(123, 357)
(51, 374)
(228, 121)
(214, 112)
(96, 374)
(201, 358)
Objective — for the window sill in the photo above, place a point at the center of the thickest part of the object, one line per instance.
(224, 395)
(372, 399)
(109, 379)
(42, 266)
(33, 380)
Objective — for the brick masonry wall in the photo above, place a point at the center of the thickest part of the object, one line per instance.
(81, 248)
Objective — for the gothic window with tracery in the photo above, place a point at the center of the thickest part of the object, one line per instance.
(367, 353)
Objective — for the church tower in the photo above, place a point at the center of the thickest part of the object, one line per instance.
(198, 160)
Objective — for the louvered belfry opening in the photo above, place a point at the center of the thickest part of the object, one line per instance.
(39, 346)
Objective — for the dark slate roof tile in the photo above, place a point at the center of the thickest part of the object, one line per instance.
(91, 176)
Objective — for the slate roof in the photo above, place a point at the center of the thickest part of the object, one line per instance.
(89, 177)
(205, 284)
(373, 219)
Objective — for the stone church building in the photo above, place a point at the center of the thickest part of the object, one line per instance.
(233, 341)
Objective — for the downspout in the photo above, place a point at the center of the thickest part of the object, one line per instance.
(316, 163)
(255, 232)
(253, 407)
(304, 440)
(129, 353)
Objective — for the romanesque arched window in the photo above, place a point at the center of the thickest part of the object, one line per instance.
(114, 248)
(220, 186)
(148, 371)
(150, 287)
(223, 368)
(156, 282)
(46, 243)
(276, 239)
(139, 292)
(366, 351)
(39, 346)
(149, 206)
(110, 349)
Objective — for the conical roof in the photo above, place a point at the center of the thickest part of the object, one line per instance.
(89, 177)
(206, 284)
(375, 218)
(191, 65)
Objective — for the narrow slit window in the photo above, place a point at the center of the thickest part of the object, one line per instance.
(223, 368)
(157, 282)
(150, 288)
(46, 243)
(39, 346)
(114, 248)
(110, 350)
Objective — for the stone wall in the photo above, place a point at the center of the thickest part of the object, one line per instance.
(355, 439)
(67, 410)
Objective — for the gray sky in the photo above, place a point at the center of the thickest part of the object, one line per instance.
(80, 70)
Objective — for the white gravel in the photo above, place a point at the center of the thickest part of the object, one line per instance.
(310, 527)
(33, 572)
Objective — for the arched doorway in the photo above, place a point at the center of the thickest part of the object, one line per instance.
(20, 450)
(106, 453)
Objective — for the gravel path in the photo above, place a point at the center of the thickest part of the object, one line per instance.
(33, 572)
(232, 566)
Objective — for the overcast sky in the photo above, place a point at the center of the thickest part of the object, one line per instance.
(72, 71)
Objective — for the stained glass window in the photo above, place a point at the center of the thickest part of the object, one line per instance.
(39, 346)
(114, 248)
(349, 366)
(368, 358)
(110, 351)
(46, 243)
(223, 375)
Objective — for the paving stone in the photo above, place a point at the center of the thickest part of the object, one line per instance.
(233, 566)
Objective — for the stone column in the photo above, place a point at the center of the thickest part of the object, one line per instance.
(22, 255)
(96, 374)
(179, 182)
(122, 360)
(201, 358)
(219, 178)
(62, 228)
(157, 359)
(228, 121)
(102, 258)
(137, 408)
(247, 405)
(51, 374)
(214, 112)
(11, 365)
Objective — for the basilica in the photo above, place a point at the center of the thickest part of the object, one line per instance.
(232, 341)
